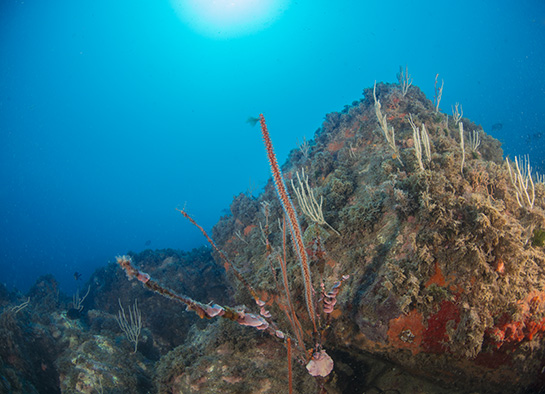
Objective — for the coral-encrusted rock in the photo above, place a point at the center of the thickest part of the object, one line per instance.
(447, 269)
(98, 364)
(194, 273)
(227, 358)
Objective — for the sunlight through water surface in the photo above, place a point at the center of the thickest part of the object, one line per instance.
(224, 19)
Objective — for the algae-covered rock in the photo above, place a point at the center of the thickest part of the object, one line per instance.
(446, 265)
(226, 358)
(427, 275)
(98, 364)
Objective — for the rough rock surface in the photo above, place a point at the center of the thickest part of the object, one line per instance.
(446, 287)
(446, 267)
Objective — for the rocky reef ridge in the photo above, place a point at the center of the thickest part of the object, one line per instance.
(441, 254)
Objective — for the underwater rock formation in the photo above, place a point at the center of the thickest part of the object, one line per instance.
(48, 344)
(193, 272)
(446, 267)
(428, 272)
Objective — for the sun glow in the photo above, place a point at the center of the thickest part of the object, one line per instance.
(228, 18)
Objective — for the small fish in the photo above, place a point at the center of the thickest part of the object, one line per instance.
(148, 242)
(532, 138)
(252, 121)
(77, 275)
(497, 126)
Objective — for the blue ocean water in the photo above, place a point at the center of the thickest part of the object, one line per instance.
(113, 114)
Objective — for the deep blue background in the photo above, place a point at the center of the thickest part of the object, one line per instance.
(114, 113)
